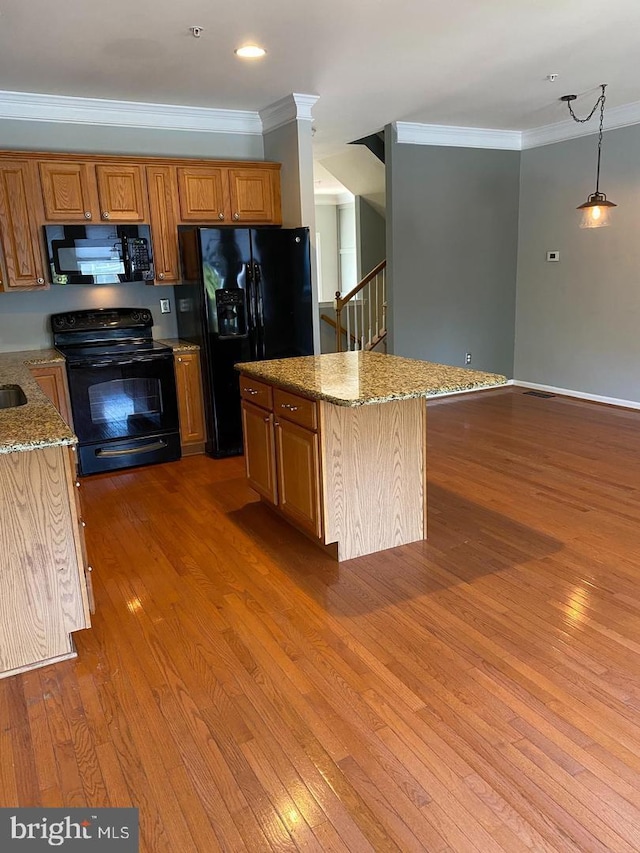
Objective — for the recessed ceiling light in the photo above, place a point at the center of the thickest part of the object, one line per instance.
(250, 51)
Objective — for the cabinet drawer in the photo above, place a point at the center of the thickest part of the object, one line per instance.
(256, 392)
(294, 408)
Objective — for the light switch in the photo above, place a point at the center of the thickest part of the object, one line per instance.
(165, 306)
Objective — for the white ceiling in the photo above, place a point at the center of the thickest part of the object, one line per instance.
(478, 63)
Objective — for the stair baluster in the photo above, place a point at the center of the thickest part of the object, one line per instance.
(372, 300)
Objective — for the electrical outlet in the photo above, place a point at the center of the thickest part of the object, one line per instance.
(165, 306)
(467, 358)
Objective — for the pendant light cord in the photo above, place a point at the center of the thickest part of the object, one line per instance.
(600, 101)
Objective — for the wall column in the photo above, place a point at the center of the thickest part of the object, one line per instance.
(287, 140)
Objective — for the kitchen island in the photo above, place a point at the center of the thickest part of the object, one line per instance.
(337, 443)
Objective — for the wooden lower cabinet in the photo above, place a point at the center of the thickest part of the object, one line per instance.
(298, 467)
(52, 379)
(190, 403)
(282, 454)
(349, 476)
(260, 452)
(43, 586)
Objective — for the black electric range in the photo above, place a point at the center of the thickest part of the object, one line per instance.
(122, 388)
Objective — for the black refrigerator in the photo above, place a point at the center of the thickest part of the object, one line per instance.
(246, 296)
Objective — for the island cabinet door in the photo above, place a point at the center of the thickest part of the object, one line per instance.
(259, 450)
(298, 467)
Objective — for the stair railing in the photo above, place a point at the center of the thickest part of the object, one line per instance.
(365, 313)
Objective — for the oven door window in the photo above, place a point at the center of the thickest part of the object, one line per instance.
(126, 404)
(112, 401)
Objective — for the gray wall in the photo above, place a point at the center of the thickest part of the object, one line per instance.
(96, 139)
(578, 321)
(24, 316)
(370, 237)
(327, 227)
(452, 232)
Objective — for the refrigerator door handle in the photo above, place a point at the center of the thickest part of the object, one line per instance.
(252, 309)
(257, 279)
(248, 278)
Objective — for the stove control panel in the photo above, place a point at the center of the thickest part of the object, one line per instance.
(102, 318)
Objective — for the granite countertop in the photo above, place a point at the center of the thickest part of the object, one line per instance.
(37, 423)
(178, 345)
(364, 378)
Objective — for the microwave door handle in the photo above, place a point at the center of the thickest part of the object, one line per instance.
(126, 258)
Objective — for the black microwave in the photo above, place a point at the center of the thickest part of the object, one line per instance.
(99, 254)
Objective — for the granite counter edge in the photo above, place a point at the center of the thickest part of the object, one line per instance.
(314, 394)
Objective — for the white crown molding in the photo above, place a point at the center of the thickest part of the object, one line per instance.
(615, 117)
(58, 108)
(26, 106)
(290, 108)
(414, 133)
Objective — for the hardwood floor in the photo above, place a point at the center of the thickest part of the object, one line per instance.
(476, 692)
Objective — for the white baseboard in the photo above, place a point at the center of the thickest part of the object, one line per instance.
(581, 395)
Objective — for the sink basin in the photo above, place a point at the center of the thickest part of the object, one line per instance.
(11, 396)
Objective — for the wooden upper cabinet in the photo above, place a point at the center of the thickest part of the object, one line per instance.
(68, 191)
(38, 188)
(254, 195)
(204, 195)
(163, 206)
(20, 212)
(230, 196)
(79, 190)
(121, 192)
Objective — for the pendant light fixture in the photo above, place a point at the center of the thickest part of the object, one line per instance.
(596, 209)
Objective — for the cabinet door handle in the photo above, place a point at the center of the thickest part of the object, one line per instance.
(251, 391)
(160, 275)
(266, 419)
(236, 216)
(105, 214)
(87, 214)
(179, 359)
(77, 484)
(89, 568)
(221, 215)
(289, 406)
(276, 423)
(40, 281)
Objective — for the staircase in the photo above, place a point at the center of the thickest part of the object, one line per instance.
(361, 315)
